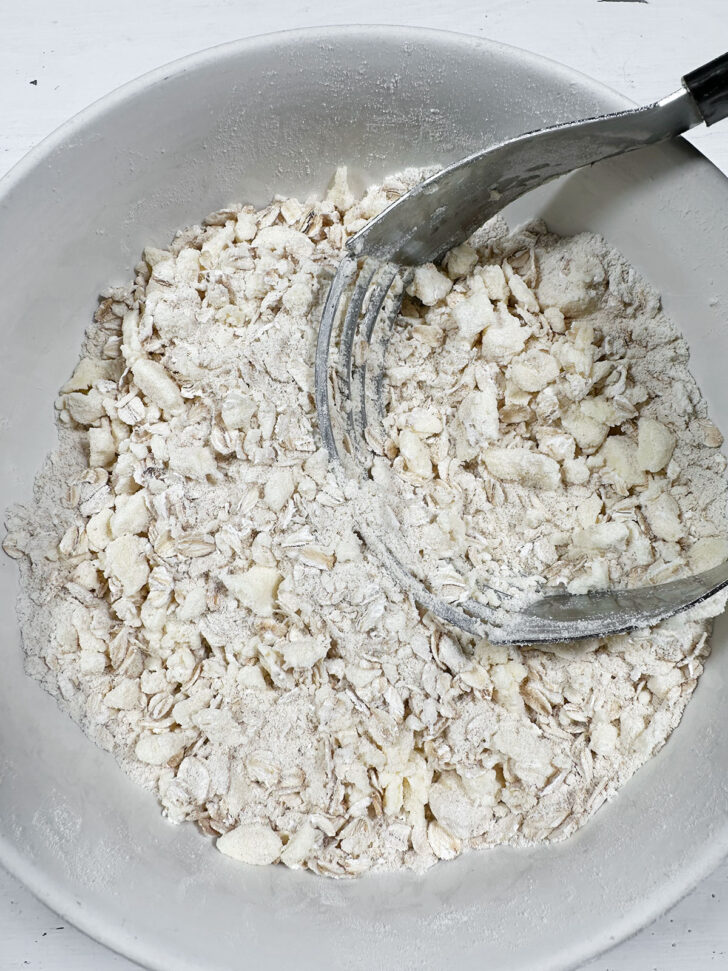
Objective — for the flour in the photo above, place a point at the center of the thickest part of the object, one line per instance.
(195, 594)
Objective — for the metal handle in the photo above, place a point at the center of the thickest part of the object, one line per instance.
(709, 87)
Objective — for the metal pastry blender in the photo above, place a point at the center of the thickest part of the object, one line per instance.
(363, 302)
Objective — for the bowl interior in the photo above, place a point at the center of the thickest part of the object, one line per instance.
(240, 123)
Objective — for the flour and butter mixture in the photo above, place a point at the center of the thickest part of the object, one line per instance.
(543, 426)
(196, 596)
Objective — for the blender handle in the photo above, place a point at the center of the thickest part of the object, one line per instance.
(709, 87)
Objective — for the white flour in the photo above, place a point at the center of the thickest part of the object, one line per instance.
(194, 594)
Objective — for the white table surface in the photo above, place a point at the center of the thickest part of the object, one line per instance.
(57, 57)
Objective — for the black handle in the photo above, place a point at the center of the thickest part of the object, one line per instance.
(709, 87)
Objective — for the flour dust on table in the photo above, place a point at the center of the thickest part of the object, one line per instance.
(196, 596)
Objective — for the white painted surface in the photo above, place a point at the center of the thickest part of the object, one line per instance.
(77, 51)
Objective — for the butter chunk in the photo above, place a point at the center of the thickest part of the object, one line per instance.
(620, 455)
(460, 260)
(588, 432)
(125, 696)
(708, 552)
(125, 560)
(520, 465)
(534, 371)
(415, 453)
(655, 445)
(193, 461)
(279, 488)
(602, 536)
(130, 516)
(255, 589)
(305, 652)
(102, 448)
(429, 285)
(155, 382)
(663, 517)
(478, 415)
(159, 749)
(503, 341)
(473, 315)
(254, 843)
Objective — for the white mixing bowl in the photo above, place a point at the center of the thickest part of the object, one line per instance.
(238, 123)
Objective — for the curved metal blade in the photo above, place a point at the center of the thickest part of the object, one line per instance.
(569, 617)
(447, 208)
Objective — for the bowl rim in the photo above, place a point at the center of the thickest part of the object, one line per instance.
(92, 921)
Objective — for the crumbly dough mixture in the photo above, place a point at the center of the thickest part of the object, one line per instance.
(542, 426)
(195, 595)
